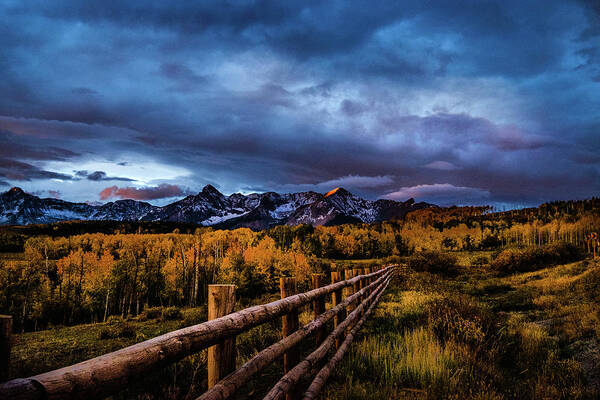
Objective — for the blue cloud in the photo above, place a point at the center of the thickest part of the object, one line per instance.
(498, 96)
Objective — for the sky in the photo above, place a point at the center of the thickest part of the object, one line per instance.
(462, 102)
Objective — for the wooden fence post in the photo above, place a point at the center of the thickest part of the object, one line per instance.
(364, 281)
(318, 306)
(336, 298)
(358, 285)
(5, 345)
(352, 273)
(348, 290)
(221, 357)
(289, 324)
(357, 272)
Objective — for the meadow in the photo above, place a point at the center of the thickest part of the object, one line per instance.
(472, 333)
(480, 334)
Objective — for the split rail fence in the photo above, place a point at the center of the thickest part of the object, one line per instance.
(352, 300)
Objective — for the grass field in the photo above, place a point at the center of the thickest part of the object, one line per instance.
(481, 336)
(473, 335)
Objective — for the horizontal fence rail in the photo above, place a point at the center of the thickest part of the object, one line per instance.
(289, 380)
(319, 381)
(110, 373)
(235, 380)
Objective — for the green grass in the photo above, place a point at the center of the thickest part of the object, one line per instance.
(42, 351)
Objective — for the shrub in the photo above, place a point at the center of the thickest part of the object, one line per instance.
(535, 357)
(490, 242)
(460, 319)
(491, 289)
(126, 330)
(151, 313)
(171, 313)
(534, 258)
(114, 319)
(495, 288)
(579, 321)
(432, 261)
(116, 330)
(587, 286)
(392, 260)
(106, 332)
(480, 261)
(516, 300)
(194, 316)
(256, 339)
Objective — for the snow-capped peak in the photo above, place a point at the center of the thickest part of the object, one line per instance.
(211, 208)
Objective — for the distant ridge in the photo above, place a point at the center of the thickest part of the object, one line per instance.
(212, 208)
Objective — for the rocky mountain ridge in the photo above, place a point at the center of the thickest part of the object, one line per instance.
(212, 208)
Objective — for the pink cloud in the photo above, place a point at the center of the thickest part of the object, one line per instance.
(146, 193)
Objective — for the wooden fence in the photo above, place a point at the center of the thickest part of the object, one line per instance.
(110, 373)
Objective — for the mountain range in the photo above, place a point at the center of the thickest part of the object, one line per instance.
(212, 208)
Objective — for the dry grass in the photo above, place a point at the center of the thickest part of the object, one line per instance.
(391, 361)
(403, 350)
(470, 258)
(413, 358)
(523, 354)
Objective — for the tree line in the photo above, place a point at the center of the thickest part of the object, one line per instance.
(478, 228)
(87, 278)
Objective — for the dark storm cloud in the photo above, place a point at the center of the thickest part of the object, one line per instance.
(13, 170)
(17, 155)
(593, 16)
(352, 108)
(180, 72)
(587, 157)
(184, 79)
(462, 130)
(491, 101)
(101, 176)
(17, 147)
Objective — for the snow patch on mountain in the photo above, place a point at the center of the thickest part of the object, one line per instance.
(218, 219)
(212, 208)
